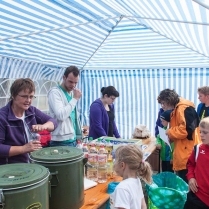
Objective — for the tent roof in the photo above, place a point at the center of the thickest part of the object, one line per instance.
(105, 33)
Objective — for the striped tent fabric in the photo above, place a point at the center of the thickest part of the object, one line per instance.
(140, 47)
(41, 89)
(139, 89)
(16, 68)
(105, 34)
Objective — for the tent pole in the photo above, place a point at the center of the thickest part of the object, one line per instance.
(121, 17)
(58, 28)
(201, 3)
(167, 20)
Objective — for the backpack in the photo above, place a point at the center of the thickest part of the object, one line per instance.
(192, 121)
(196, 151)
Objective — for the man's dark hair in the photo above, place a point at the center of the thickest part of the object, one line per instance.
(71, 69)
(169, 96)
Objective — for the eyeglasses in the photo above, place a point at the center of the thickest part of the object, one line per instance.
(27, 97)
(113, 98)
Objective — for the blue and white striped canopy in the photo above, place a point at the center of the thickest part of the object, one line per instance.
(102, 34)
(139, 46)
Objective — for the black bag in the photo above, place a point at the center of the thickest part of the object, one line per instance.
(192, 121)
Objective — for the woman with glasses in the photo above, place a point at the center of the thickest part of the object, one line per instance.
(102, 116)
(19, 123)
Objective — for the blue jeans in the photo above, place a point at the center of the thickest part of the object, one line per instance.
(63, 143)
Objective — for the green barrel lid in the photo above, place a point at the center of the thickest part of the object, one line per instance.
(19, 175)
(56, 154)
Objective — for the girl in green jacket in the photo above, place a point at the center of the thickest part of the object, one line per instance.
(166, 154)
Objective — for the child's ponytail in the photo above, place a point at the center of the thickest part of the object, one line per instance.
(145, 172)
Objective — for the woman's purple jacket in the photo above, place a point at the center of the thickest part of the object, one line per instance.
(99, 120)
(12, 131)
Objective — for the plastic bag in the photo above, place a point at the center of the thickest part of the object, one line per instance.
(167, 191)
(111, 189)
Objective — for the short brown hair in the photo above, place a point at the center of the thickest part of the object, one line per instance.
(203, 90)
(71, 69)
(169, 96)
(21, 84)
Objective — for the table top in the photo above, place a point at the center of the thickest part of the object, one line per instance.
(97, 196)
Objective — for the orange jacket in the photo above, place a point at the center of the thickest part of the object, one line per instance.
(178, 133)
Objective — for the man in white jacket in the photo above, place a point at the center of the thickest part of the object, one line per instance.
(62, 101)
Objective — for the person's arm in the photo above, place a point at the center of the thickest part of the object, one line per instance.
(115, 130)
(143, 205)
(159, 142)
(60, 110)
(7, 150)
(44, 122)
(158, 122)
(191, 174)
(49, 126)
(199, 108)
(179, 131)
(4, 149)
(96, 119)
(29, 147)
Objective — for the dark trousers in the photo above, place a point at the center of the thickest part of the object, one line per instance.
(182, 174)
(167, 166)
(193, 202)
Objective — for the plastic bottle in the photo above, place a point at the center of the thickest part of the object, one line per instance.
(92, 148)
(102, 173)
(85, 150)
(79, 144)
(109, 146)
(109, 165)
(102, 164)
(98, 143)
(93, 156)
(89, 142)
(35, 136)
(92, 172)
(101, 149)
(92, 165)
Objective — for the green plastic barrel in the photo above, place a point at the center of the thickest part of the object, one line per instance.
(24, 186)
(67, 175)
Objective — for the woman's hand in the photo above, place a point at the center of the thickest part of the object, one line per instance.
(49, 126)
(33, 145)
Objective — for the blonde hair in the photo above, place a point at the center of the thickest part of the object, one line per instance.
(204, 123)
(203, 90)
(132, 155)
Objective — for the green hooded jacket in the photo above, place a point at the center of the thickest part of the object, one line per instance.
(165, 153)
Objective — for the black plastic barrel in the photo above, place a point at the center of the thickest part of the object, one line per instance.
(67, 175)
(24, 186)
